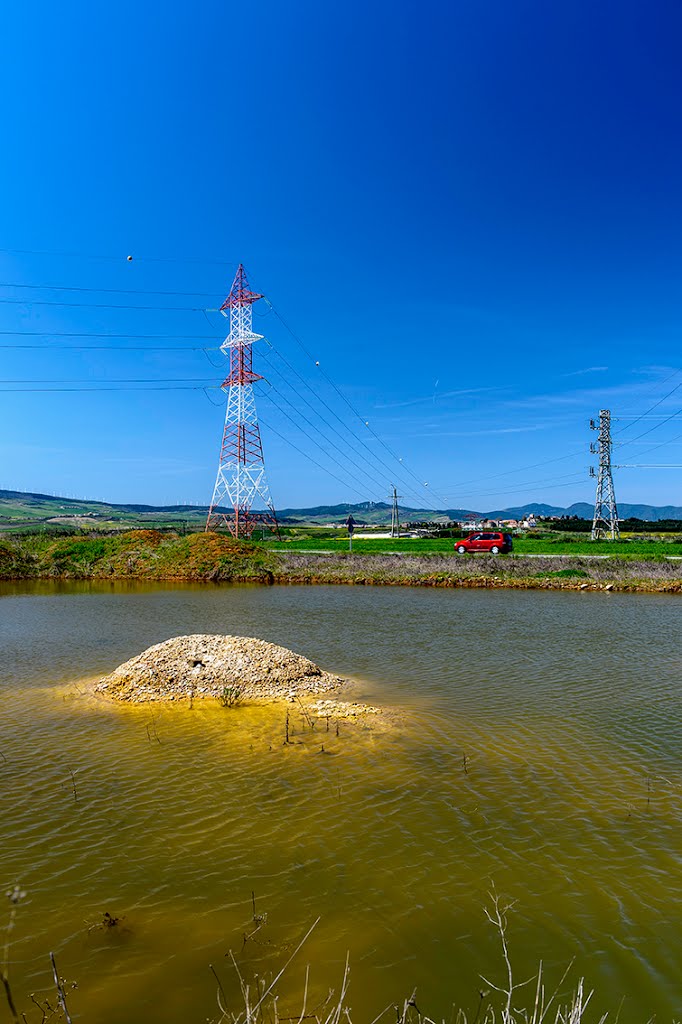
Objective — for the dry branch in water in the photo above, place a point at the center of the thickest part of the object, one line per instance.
(545, 1009)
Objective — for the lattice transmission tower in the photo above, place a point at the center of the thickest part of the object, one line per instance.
(241, 479)
(605, 522)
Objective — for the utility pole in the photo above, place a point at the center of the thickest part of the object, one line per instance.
(605, 520)
(241, 469)
(395, 518)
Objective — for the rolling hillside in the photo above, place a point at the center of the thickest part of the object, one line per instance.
(19, 507)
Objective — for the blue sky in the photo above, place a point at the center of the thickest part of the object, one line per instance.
(468, 214)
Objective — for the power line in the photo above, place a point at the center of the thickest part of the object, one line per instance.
(532, 487)
(107, 305)
(126, 383)
(390, 451)
(570, 455)
(93, 334)
(310, 458)
(317, 413)
(651, 409)
(141, 380)
(318, 396)
(316, 442)
(181, 387)
(345, 399)
(655, 427)
(113, 348)
(655, 447)
(521, 469)
(571, 478)
(573, 454)
(103, 291)
(303, 431)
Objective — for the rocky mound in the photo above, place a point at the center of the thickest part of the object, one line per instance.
(216, 666)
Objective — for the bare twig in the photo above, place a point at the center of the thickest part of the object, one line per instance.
(305, 994)
(498, 917)
(73, 783)
(61, 996)
(306, 714)
(249, 1012)
(8, 994)
(221, 990)
(15, 896)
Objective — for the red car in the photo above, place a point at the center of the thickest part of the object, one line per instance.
(494, 543)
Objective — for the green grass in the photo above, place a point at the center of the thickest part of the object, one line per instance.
(545, 546)
(135, 554)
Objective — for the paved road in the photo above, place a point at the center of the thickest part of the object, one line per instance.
(517, 554)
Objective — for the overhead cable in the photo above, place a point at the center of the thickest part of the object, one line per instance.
(141, 380)
(391, 471)
(107, 305)
(355, 412)
(310, 458)
(380, 487)
(92, 334)
(644, 433)
(104, 291)
(181, 387)
(113, 348)
(651, 409)
(522, 469)
(331, 427)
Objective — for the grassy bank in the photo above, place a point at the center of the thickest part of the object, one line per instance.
(154, 555)
(136, 554)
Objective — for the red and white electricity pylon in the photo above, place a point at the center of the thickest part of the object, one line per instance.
(241, 470)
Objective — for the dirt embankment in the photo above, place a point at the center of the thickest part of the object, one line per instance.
(442, 570)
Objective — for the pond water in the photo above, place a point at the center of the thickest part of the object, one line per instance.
(535, 753)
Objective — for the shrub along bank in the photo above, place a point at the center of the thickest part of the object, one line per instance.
(136, 554)
(210, 557)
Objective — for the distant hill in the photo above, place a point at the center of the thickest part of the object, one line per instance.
(19, 506)
(369, 512)
(22, 506)
(534, 509)
(650, 513)
(74, 505)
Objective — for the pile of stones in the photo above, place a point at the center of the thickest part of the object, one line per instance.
(203, 665)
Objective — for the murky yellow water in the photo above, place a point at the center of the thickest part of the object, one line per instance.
(536, 749)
